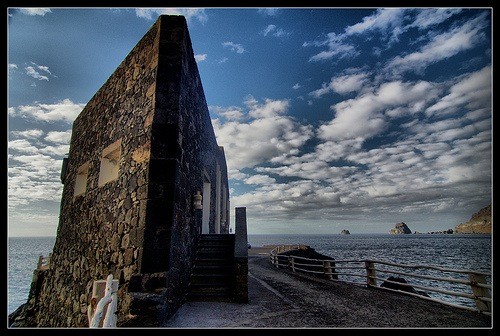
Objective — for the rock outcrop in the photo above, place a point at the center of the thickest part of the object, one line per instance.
(480, 222)
(317, 257)
(400, 228)
(394, 283)
(345, 232)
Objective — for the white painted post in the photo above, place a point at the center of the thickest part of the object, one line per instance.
(480, 291)
(291, 263)
(108, 302)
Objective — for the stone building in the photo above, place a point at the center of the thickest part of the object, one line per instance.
(140, 151)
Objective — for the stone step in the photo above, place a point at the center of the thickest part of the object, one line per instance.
(212, 269)
(214, 254)
(218, 247)
(211, 280)
(206, 289)
(211, 297)
(212, 275)
(220, 237)
(216, 262)
(216, 243)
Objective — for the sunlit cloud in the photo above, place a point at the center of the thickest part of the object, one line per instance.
(64, 110)
(190, 13)
(35, 11)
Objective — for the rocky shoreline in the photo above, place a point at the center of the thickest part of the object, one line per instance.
(480, 223)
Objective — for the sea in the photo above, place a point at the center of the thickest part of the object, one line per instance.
(455, 251)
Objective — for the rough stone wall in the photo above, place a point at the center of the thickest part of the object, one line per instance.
(189, 149)
(141, 226)
(100, 232)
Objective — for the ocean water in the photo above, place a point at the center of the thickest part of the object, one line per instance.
(455, 251)
(22, 259)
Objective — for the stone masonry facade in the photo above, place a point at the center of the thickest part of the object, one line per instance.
(140, 150)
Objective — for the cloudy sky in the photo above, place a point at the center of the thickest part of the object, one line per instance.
(330, 119)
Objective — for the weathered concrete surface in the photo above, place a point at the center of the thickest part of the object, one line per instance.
(279, 299)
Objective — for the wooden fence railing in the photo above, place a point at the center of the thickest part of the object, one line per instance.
(475, 287)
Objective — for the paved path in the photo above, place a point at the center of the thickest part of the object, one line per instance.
(280, 299)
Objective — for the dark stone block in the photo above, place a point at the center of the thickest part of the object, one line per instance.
(164, 141)
(162, 170)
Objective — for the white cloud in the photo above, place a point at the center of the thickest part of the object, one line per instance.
(429, 168)
(64, 110)
(222, 60)
(268, 29)
(342, 84)
(35, 11)
(472, 91)
(59, 137)
(390, 24)
(260, 179)
(432, 16)
(30, 71)
(33, 71)
(362, 117)
(275, 31)
(190, 13)
(440, 47)
(34, 167)
(296, 87)
(387, 21)
(237, 48)
(12, 66)
(269, 11)
(59, 150)
(229, 113)
(269, 109)
(28, 134)
(200, 57)
(34, 177)
(267, 133)
(22, 146)
(44, 68)
(336, 48)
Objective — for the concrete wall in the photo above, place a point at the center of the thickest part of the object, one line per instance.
(141, 227)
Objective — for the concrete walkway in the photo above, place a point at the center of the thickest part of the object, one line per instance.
(281, 299)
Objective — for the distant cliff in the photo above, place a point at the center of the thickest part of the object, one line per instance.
(480, 222)
(400, 228)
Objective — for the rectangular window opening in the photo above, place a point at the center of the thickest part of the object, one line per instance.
(110, 163)
(81, 179)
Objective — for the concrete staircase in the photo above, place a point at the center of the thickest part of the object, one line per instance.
(213, 277)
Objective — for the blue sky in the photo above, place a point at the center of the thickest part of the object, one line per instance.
(331, 118)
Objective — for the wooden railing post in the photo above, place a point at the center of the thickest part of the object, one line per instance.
(478, 291)
(291, 263)
(370, 273)
(327, 268)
